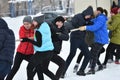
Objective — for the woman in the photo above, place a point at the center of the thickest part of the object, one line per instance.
(25, 49)
(43, 47)
(100, 35)
(59, 33)
(77, 40)
(114, 27)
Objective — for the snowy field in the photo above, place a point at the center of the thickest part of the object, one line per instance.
(111, 73)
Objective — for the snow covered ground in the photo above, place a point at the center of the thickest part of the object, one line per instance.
(111, 73)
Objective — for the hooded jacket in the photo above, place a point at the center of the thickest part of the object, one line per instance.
(114, 26)
(100, 29)
(7, 42)
(79, 20)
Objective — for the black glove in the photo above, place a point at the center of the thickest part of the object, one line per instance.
(25, 40)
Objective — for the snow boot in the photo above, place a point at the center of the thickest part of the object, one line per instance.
(100, 67)
(91, 71)
(81, 73)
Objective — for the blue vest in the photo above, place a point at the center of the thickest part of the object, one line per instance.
(47, 44)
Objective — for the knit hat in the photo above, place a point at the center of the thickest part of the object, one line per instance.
(59, 18)
(114, 10)
(27, 19)
(40, 18)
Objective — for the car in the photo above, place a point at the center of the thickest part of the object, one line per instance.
(50, 16)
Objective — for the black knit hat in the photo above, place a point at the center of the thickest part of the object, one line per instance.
(59, 18)
(40, 19)
(27, 19)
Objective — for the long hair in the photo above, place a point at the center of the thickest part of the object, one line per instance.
(104, 11)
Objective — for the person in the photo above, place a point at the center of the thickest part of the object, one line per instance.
(100, 35)
(59, 33)
(43, 47)
(25, 49)
(113, 25)
(7, 48)
(80, 56)
(77, 40)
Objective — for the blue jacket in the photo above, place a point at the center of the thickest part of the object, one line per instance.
(7, 43)
(47, 44)
(100, 29)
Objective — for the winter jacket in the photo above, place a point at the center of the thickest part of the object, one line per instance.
(100, 29)
(58, 35)
(7, 43)
(46, 40)
(79, 20)
(25, 47)
(114, 26)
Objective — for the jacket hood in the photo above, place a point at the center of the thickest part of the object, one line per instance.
(88, 11)
(3, 24)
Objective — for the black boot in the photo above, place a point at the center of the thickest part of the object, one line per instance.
(81, 73)
(91, 71)
(100, 67)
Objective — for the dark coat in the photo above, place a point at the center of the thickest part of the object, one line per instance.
(79, 20)
(7, 42)
(58, 35)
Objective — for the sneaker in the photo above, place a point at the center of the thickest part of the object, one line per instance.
(110, 60)
(91, 71)
(100, 67)
(75, 68)
(81, 73)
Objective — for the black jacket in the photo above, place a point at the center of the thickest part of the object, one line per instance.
(58, 35)
(79, 20)
(7, 42)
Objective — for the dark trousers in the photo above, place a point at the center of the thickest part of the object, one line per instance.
(39, 63)
(110, 51)
(5, 68)
(61, 63)
(74, 44)
(17, 62)
(95, 50)
(80, 56)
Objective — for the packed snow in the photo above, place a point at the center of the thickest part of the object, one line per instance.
(112, 72)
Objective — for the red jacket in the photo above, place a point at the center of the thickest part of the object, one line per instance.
(25, 47)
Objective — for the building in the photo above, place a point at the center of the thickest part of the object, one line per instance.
(4, 9)
(25, 7)
(80, 5)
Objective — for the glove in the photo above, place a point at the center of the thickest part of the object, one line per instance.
(82, 28)
(25, 40)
